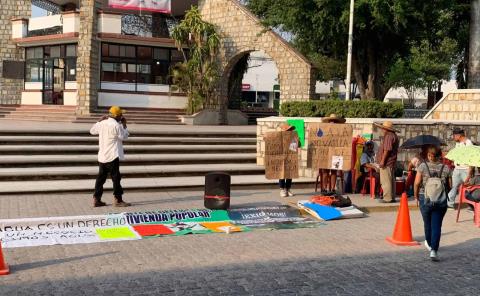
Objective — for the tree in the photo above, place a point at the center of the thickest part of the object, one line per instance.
(198, 74)
(384, 31)
(474, 58)
(401, 75)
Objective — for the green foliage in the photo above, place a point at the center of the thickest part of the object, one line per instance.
(384, 32)
(347, 109)
(198, 74)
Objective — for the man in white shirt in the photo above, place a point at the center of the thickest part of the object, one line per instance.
(111, 130)
(460, 172)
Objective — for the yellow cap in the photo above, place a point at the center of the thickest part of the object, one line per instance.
(116, 111)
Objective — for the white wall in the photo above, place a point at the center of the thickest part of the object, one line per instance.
(19, 29)
(70, 98)
(45, 22)
(141, 101)
(110, 23)
(31, 98)
(33, 86)
(71, 23)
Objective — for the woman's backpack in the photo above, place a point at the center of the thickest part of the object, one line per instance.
(435, 193)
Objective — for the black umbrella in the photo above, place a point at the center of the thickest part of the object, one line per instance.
(422, 140)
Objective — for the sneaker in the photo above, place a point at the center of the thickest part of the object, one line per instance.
(427, 246)
(121, 204)
(434, 256)
(98, 203)
(283, 193)
(451, 205)
(289, 193)
(470, 208)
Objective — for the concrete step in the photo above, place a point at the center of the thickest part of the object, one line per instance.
(151, 122)
(142, 171)
(132, 159)
(91, 140)
(93, 149)
(133, 184)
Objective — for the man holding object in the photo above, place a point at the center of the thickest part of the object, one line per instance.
(112, 130)
(387, 159)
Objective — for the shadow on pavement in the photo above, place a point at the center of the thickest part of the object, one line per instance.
(33, 265)
(409, 272)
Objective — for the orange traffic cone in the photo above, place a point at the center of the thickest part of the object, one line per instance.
(402, 234)
(4, 270)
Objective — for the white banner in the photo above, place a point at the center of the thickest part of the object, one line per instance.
(147, 5)
(65, 230)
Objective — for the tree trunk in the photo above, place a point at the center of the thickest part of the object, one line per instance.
(357, 73)
(474, 59)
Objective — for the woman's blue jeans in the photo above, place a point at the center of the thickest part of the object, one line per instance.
(432, 222)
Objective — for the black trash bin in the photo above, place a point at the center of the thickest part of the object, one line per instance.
(217, 191)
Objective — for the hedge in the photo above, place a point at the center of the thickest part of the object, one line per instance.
(347, 109)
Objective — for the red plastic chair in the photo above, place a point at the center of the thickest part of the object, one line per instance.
(370, 178)
(476, 205)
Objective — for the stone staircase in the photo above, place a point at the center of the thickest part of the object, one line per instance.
(42, 161)
(54, 113)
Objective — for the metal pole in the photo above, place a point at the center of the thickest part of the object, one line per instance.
(474, 59)
(349, 54)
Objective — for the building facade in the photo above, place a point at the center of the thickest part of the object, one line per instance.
(87, 54)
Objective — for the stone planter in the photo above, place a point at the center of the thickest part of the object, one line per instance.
(212, 117)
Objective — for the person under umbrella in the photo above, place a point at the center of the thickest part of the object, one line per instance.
(460, 173)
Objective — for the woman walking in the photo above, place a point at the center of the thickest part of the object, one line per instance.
(432, 177)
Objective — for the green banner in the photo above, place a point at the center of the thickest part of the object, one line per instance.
(299, 125)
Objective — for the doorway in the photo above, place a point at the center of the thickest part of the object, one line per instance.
(54, 82)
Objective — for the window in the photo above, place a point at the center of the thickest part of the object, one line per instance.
(71, 69)
(137, 64)
(34, 71)
(60, 56)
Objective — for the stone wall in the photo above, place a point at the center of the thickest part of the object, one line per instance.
(88, 60)
(408, 128)
(462, 104)
(241, 33)
(11, 89)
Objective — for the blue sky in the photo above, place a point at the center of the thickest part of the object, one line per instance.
(37, 11)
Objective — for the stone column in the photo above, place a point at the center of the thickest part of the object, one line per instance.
(11, 89)
(88, 60)
(474, 51)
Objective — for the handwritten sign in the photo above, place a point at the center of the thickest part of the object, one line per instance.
(281, 155)
(330, 146)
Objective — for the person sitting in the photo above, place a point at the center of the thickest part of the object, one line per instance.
(367, 163)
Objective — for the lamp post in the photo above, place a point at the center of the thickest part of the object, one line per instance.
(349, 54)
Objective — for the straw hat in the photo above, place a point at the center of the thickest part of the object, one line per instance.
(333, 118)
(387, 125)
(286, 127)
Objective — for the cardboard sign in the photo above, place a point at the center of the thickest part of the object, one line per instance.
(330, 146)
(281, 155)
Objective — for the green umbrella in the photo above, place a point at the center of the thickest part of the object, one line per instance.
(466, 155)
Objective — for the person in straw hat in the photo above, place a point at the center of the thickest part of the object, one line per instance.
(286, 184)
(329, 177)
(387, 159)
(112, 131)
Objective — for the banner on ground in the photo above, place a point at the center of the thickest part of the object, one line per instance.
(283, 216)
(330, 146)
(163, 6)
(281, 155)
(112, 227)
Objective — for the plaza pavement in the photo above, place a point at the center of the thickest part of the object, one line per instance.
(345, 257)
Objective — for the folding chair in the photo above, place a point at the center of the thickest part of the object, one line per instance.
(476, 206)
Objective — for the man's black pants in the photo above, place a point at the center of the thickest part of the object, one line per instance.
(112, 168)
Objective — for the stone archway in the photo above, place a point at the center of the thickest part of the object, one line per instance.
(241, 33)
